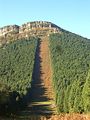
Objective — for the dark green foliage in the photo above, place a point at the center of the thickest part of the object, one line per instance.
(16, 67)
(86, 93)
(70, 55)
(4, 93)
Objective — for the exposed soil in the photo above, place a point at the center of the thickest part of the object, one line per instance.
(42, 99)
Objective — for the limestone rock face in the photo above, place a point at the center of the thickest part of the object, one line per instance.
(8, 29)
(38, 28)
(36, 25)
(35, 28)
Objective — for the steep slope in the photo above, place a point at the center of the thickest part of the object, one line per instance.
(70, 55)
(16, 68)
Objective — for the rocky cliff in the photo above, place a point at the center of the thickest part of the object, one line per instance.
(28, 27)
(35, 28)
(10, 28)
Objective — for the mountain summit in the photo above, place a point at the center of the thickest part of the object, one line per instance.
(28, 27)
(35, 28)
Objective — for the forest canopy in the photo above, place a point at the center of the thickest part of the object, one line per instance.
(70, 56)
(16, 68)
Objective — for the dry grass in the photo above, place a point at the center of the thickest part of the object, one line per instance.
(70, 117)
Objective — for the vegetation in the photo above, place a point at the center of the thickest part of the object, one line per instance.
(16, 68)
(70, 55)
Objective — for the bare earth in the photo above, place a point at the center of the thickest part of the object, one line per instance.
(42, 92)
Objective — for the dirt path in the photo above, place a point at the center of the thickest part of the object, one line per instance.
(42, 97)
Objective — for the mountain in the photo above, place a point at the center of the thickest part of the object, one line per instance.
(22, 48)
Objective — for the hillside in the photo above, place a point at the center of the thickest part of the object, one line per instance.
(16, 68)
(70, 56)
(44, 70)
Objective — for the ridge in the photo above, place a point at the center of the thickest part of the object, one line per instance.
(26, 27)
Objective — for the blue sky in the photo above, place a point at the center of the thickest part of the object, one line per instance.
(72, 15)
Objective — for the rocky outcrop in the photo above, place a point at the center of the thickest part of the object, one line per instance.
(37, 24)
(29, 27)
(9, 29)
(36, 28)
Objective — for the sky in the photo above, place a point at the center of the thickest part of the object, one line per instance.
(71, 15)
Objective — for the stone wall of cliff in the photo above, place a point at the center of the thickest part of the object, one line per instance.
(14, 29)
